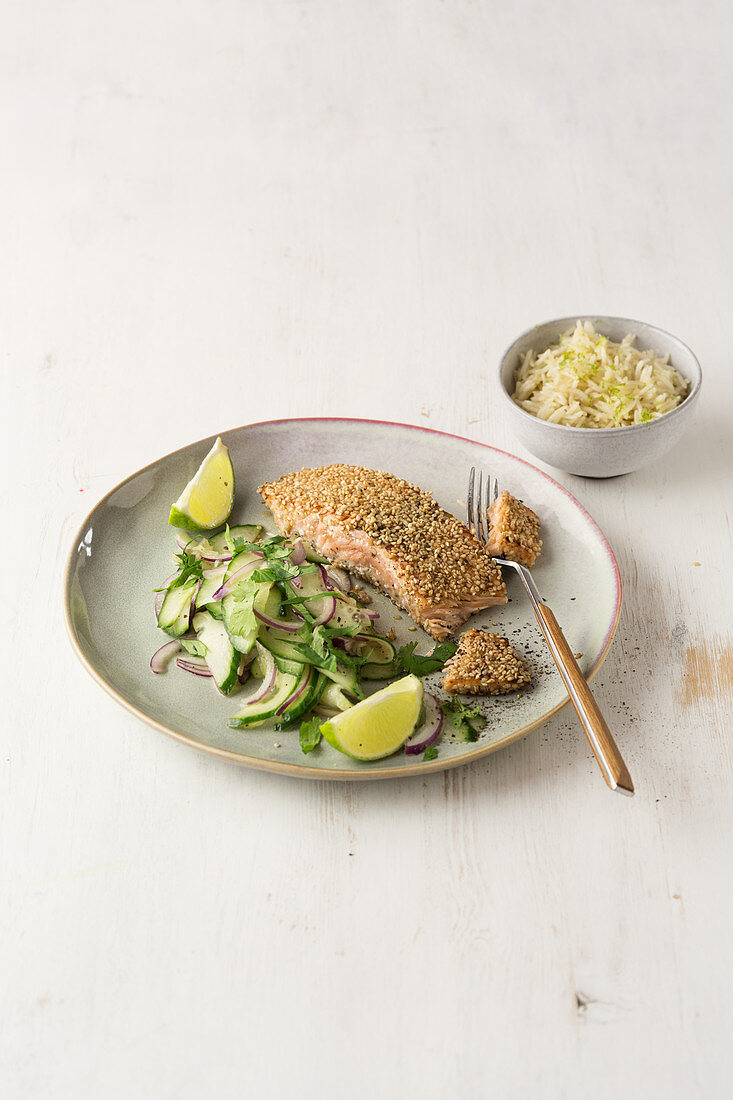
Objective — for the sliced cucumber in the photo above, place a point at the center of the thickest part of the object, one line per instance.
(381, 657)
(221, 656)
(312, 554)
(293, 667)
(345, 678)
(281, 645)
(175, 611)
(266, 708)
(311, 684)
(242, 532)
(210, 584)
(332, 696)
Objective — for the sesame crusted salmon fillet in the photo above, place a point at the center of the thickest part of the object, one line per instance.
(394, 535)
(513, 530)
(485, 664)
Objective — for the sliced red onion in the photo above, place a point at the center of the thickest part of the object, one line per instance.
(192, 665)
(372, 615)
(340, 578)
(297, 693)
(268, 680)
(297, 554)
(325, 577)
(327, 612)
(237, 575)
(429, 729)
(278, 624)
(184, 544)
(161, 658)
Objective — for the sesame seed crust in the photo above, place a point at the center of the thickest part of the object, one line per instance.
(485, 664)
(435, 557)
(513, 530)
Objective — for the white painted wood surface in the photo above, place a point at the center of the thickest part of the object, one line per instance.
(223, 212)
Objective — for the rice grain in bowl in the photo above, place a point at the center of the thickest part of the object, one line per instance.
(586, 380)
(589, 402)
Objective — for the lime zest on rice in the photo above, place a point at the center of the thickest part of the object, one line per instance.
(586, 380)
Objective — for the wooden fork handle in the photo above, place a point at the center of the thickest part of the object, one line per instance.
(604, 747)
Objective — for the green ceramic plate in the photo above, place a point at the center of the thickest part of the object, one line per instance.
(124, 550)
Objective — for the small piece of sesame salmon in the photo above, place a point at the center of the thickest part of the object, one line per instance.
(395, 536)
(513, 530)
(485, 664)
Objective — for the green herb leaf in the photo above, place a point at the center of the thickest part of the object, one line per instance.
(242, 619)
(430, 753)
(310, 734)
(464, 718)
(188, 566)
(420, 665)
(194, 647)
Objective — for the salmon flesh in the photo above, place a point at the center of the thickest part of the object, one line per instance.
(392, 534)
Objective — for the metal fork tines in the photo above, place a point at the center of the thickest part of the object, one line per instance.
(481, 495)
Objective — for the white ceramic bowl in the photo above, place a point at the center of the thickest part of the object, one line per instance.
(601, 452)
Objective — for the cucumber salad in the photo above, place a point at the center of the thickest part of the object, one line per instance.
(273, 628)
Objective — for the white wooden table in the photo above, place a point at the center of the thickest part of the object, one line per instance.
(217, 213)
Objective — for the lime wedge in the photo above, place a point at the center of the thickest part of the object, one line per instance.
(207, 500)
(379, 725)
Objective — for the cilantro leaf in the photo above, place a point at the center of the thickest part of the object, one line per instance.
(242, 619)
(189, 566)
(464, 718)
(421, 665)
(430, 753)
(194, 647)
(310, 734)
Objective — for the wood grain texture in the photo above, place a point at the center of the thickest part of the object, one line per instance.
(219, 213)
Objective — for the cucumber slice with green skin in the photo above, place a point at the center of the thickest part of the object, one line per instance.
(215, 610)
(382, 663)
(332, 696)
(221, 656)
(267, 707)
(293, 667)
(281, 646)
(345, 678)
(210, 584)
(174, 616)
(381, 672)
(313, 687)
(312, 554)
(244, 532)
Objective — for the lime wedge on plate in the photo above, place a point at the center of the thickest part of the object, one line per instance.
(207, 500)
(379, 725)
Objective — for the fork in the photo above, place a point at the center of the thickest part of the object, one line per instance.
(604, 747)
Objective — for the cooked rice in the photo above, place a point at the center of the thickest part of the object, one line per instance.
(587, 381)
